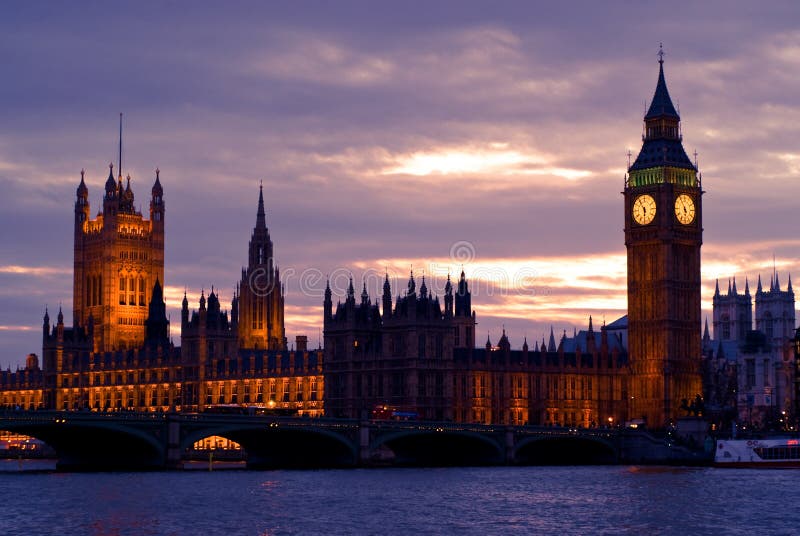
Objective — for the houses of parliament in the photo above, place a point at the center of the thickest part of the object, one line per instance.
(405, 350)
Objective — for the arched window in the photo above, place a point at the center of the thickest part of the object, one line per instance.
(726, 327)
(768, 325)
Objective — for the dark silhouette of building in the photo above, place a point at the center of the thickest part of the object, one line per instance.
(258, 309)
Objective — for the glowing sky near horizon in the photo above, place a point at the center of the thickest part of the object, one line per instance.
(431, 134)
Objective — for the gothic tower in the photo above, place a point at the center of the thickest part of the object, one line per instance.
(775, 311)
(260, 300)
(663, 235)
(733, 312)
(118, 257)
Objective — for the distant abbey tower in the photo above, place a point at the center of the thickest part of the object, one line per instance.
(118, 258)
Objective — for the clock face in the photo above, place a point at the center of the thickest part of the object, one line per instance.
(684, 209)
(644, 209)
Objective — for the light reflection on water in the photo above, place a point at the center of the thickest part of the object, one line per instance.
(501, 500)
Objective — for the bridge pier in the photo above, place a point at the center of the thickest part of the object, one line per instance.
(510, 445)
(172, 456)
(363, 443)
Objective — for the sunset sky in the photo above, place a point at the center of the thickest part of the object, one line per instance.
(433, 134)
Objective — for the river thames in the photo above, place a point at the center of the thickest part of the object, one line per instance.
(496, 500)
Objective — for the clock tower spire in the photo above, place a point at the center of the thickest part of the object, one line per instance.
(663, 235)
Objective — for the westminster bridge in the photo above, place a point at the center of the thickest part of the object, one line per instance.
(119, 440)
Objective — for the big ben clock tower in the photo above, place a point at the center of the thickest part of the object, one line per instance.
(663, 235)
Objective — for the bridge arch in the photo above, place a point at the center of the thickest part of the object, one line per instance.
(564, 450)
(97, 445)
(436, 447)
(272, 445)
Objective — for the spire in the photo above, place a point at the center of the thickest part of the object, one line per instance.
(729, 286)
(364, 295)
(777, 284)
(716, 290)
(82, 191)
(551, 345)
(661, 105)
(448, 287)
(789, 288)
(706, 336)
(423, 289)
(157, 189)
(735, 292)
(758, 288)
(746, 287)
(261, 220)
(351, 291)
(111, 184)
(120, 145)
(590, 323)
(387, 288)
(60, 315)
(661, 147)
(412, 285)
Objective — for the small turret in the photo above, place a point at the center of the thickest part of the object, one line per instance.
(551, 345)
(328, 303)
(157, 202)
(81, 205)
(364, 295)
(111, 184)
(46, 324)
(184, 312)
(448, 298)
(387, 298)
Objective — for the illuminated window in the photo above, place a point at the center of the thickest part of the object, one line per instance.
(272, 388)
(313, 395)
(299, 395)
(141, 292)
(122, 290)
(131, 291)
